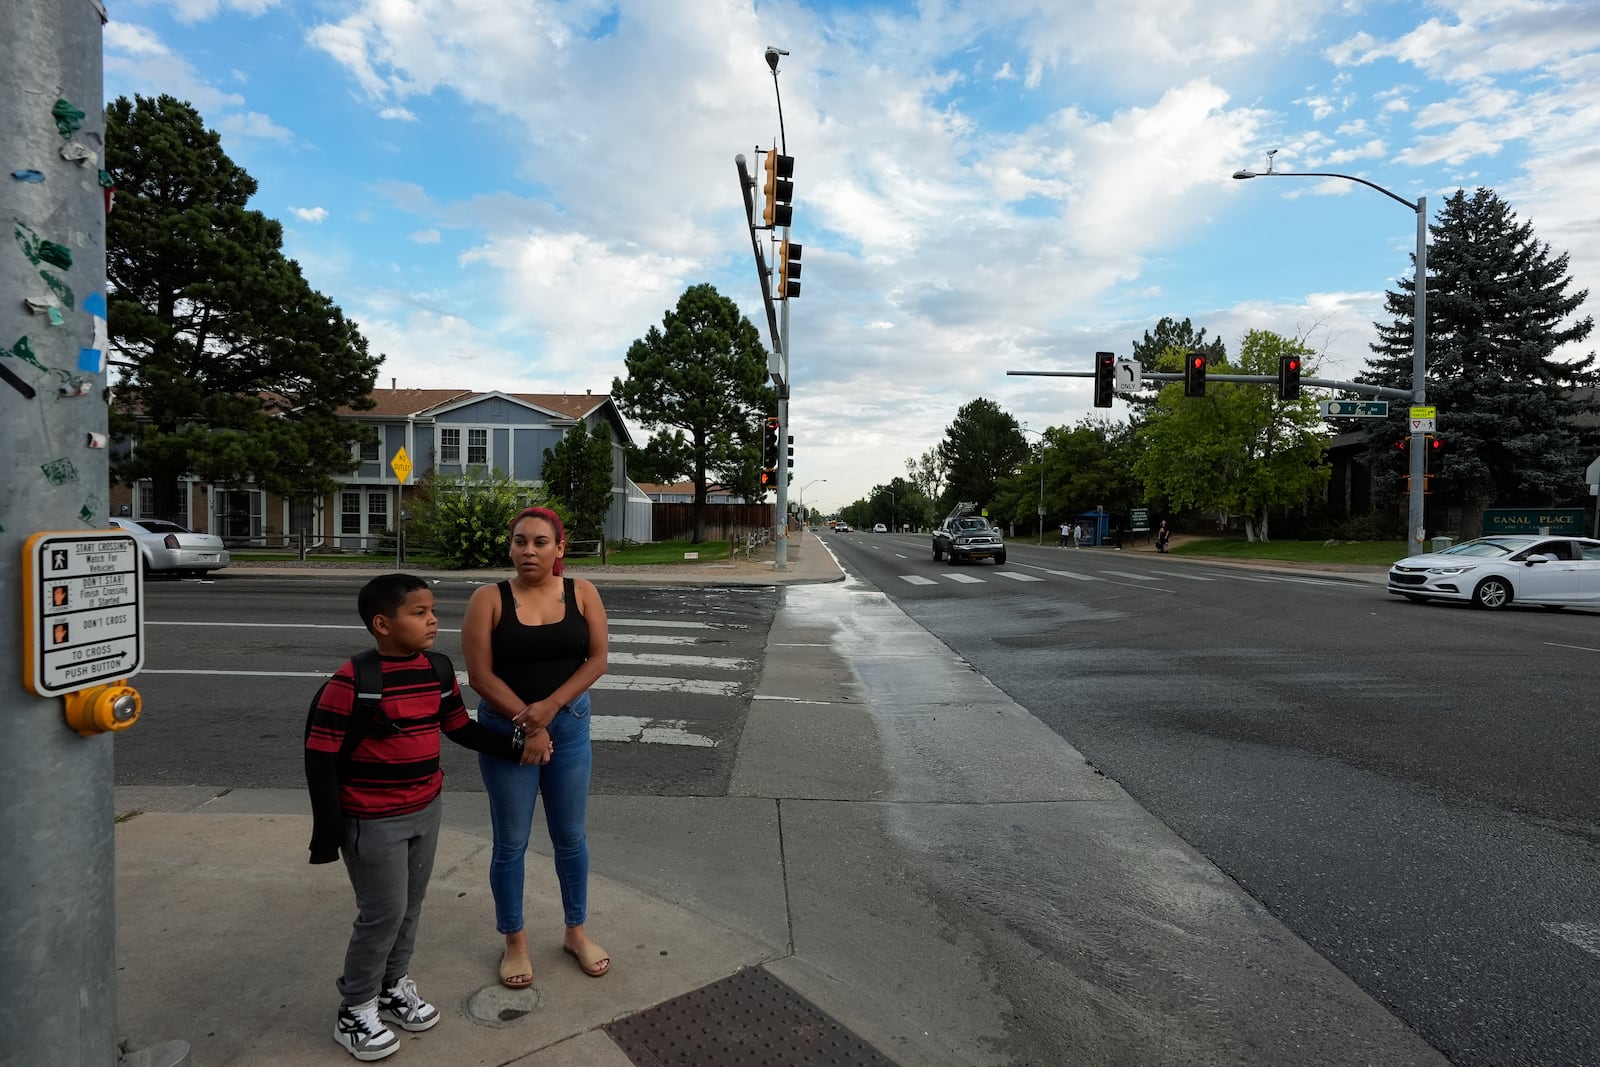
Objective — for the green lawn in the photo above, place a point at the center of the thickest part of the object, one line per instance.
(1373, 553)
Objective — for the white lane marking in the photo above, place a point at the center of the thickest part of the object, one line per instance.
(1190, 577)
(917, 579)
(790, 700)
(965, 579)
(663, 659)
(1576, 648)
(1018, 576)
(1585, 935)
(1245, 578)
(617, 683)
(899, 555)
(646, 731)
(1135, 577)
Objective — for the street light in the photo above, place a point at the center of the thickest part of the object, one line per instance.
(1041, 480)
(1419, 328)
(800, 495)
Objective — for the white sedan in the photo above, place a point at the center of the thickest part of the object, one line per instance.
(879, 527)
(168, 548)
(1491, 572)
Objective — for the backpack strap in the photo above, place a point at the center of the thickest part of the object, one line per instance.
(368, 669)
(444, 669)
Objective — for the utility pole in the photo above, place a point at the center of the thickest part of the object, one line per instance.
(57, 918)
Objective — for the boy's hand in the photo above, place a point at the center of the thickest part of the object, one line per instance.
(538, 748)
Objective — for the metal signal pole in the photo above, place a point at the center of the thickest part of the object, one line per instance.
(57, 919)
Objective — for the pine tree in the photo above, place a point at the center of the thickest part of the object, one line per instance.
(1498, 311)
(704, 372)
(232, 365)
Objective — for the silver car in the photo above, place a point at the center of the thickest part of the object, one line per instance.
(1491, 572)
(168, 548)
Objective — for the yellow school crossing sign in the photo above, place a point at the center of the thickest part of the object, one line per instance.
(401, 465)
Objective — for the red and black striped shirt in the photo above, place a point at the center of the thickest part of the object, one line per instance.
(395, 769)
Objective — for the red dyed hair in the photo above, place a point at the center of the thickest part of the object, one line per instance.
(548, 516)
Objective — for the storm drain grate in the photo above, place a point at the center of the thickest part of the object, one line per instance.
(749, 1019)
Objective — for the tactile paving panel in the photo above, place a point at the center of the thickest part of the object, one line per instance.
(749, 1019)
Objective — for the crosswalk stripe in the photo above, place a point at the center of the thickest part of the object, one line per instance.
(640, 683)
(627, 728)
(675, 624)
(1134, 577)
(917, 579)
(1073, 575)
(965, 579)
(1190, 577)
(653, 639)
(1018, 576)
(663, 659)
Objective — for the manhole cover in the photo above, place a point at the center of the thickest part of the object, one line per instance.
(749, 1019)
(500, 1007)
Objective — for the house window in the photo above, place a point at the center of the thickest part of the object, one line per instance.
(145, 505)
(377, 511)
(449, 447)
(477, 447)
(370, 451)
(350, 513)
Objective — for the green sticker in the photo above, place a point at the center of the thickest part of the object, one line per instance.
(38, 250)
(62, 290)
(68, 118)
(24, 351)
(60, 471)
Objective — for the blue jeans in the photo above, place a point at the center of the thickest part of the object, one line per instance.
(514, 789)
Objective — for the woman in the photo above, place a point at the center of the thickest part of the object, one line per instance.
(534, 645)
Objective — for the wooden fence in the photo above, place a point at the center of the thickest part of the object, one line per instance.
(724, 522)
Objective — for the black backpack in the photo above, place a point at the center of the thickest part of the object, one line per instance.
(368, 667)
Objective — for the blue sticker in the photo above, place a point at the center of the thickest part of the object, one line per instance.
(95, 304)
(91, 360)
(28, 176)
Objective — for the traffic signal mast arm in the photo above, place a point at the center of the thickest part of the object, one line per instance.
(1383, 392)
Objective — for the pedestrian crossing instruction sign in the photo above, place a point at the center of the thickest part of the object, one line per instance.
(84, 611)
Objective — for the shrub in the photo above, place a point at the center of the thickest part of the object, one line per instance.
(464, 518)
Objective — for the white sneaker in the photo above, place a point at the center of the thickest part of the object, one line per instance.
(359, 1032)
(400, 1004)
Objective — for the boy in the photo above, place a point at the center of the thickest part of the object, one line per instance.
(380, 806)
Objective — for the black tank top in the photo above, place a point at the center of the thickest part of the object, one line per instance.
(535, 660)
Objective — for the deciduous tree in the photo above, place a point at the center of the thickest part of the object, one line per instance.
(702, 372)
(578, 473)
(1239, 449)
(981, 445)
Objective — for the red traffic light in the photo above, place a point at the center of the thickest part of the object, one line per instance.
(1436, 444)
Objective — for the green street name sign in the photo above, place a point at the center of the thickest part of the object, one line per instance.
(1360, 409)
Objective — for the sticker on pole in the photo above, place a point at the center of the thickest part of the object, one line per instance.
(84, 611)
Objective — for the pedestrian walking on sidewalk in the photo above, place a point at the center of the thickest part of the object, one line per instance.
(372, 766)
(1077, 535)
(1163, 536)
(534, 644)
(1066, 535)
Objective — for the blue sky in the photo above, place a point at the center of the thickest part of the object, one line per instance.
(506, 195)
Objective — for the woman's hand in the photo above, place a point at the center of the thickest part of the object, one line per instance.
(536, 716)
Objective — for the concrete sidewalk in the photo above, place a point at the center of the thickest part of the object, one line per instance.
(902, 845)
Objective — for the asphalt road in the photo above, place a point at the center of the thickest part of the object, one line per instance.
(1410, 788)
(233, 664)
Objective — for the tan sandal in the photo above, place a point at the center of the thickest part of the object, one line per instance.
(592, 959)
(516, 972)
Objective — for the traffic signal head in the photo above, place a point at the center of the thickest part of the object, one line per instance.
(1194, 374)
(788, 269)
(1435, 445)
(769, 479)
(1105, 366)
(769, 443)
(1288, 377)
(778, 189)
(791, 451)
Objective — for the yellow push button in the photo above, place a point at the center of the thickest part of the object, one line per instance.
(103, 708)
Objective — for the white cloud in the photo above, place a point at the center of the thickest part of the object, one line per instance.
(201, 10)
(398, 114)
(426, 237)
(311, 214)
(252, 124)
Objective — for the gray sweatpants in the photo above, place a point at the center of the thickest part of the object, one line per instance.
(389, 862)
